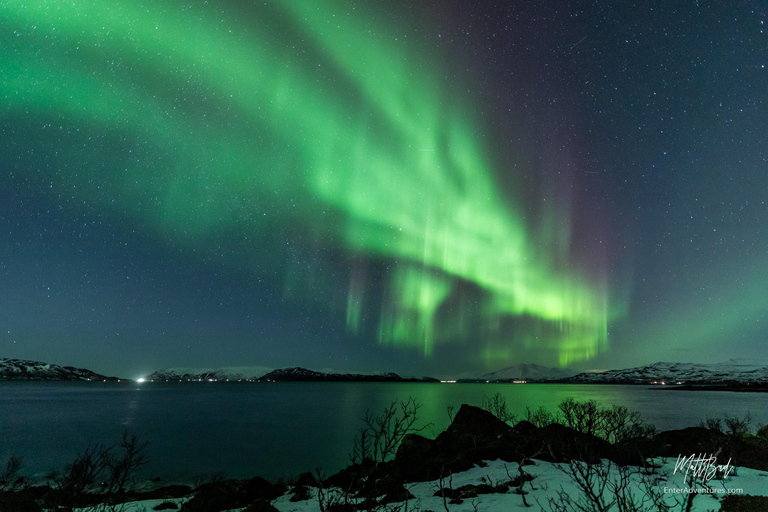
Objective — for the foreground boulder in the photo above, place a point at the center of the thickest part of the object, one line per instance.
(557, 443)
(476, 435)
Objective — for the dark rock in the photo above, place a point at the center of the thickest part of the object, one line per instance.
(37, 492)
(166, 505)
(300, 493)
(384, 479)
(476, 422)
(258, 488)
(418, 458)
(750, 452)
(560, 443)
(519, 480)
(260, 506)
(672, 443)
(164, 493)
(348, 479)
(743, 503)
(397, 495)
(229, 494)
(471, 491)
(12, 502)
(744, 450)
(634, 452)
(304, 480)
(557, 443)
(476, 435)
(214, 497)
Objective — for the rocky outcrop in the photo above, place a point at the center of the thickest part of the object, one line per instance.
(476, 435)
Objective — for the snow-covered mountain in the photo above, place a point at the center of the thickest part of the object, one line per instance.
(685, 373)
(528, 372)
(232, 373)
(19, 369)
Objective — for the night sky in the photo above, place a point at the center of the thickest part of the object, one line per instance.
(419, 187)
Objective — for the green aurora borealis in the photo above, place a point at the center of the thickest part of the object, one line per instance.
(223, 129)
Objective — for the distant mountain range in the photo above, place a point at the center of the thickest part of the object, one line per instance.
(19, 369)
(729, 372)
(233, 373)
(262, 374)
(526, 372)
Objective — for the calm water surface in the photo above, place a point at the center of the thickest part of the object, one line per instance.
(279, 430)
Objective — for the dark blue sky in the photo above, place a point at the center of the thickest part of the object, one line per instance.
(628, 141)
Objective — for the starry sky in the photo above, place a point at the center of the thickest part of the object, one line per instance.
(421, 187)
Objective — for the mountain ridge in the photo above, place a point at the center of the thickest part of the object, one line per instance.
(528, 372)
(729, 372)
(27, 370)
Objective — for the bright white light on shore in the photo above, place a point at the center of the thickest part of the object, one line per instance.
(140, 379)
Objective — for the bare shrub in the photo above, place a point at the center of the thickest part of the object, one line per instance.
(497, 405)
(10, 478)
(540, 417)
(607, 486)
(737, 427)
(730, 425)
(583, 417)
(619, 423)
(111, 468)
(381, 435)
(614, 424)
(123, 468)
(715, 424)
(329, 499)
(82, 473)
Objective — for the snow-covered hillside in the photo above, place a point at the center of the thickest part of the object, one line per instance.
(19, 369)
(684, 373)
(529, 372)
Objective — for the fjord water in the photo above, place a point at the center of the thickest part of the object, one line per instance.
(281, 429)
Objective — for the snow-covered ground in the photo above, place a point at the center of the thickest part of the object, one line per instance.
(549, 478)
